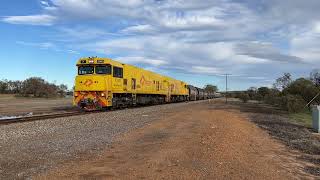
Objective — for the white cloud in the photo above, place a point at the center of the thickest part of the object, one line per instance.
(80, 33)
(41, 19)
(190, 21)
(46, 46)
(245, 59)
(41, 45)
(72, 51)
(307, 44)
(142, 60)
(85, 9)
(205, 70)
(145, 28)
(257, 78)
(316, 27)
(265, 52)
(44, 3)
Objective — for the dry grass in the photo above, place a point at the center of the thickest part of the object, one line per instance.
(11, 105)
(303, 118)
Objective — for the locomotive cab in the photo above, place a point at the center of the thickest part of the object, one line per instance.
(92, 77)
(93, 83)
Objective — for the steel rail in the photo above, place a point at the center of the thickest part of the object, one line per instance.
(41, 117)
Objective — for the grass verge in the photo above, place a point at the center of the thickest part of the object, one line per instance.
(304, 118)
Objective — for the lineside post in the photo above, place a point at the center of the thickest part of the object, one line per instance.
(227, 87)
(316, 118)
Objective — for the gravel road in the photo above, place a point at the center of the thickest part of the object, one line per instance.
(30, 148)
(196, 142)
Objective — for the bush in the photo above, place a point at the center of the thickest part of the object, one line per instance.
(303, 88)
(290, 103)
(273, 97)
(295, 103)
(290, 95)
(244, 97)
(4, 86)
(38, 87)
(258, 97)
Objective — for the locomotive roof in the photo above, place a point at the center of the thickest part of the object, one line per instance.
(99, 60)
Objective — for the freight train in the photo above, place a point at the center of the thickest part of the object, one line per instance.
(103, 83)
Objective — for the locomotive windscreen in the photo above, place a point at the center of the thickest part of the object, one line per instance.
(103, 69)
(85, 70)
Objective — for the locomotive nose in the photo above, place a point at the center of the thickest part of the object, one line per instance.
(90, 83)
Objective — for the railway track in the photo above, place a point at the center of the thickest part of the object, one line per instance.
(22, 119)
(27, 118)
(40, 117)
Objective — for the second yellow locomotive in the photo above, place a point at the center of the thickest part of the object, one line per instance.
(103, 82)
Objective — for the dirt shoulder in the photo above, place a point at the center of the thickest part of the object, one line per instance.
(13, 106)
(201, 142)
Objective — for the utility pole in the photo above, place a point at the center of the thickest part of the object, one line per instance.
(227, 87)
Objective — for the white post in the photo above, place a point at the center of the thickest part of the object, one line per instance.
(316, 118)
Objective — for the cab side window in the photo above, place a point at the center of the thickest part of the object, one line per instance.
(117, 72)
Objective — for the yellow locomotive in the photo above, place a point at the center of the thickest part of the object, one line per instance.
(103, 82)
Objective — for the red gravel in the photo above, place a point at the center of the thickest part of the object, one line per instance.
(198, 142)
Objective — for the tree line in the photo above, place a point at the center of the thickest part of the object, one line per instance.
(33, 87)
(210, 88)
(289, 94)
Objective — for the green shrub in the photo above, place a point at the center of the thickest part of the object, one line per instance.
(244, 97)
(295, 103)
(304, 88)
(272, 99)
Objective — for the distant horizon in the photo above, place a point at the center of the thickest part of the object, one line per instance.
(219, 89)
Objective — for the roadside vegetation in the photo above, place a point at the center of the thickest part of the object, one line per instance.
(33, 87)
(303, 118)
(296, 96)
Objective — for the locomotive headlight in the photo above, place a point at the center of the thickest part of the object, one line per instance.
(103, 94)
(76, 94)
(91, 61)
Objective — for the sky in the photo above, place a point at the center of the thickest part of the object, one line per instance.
(190, 40)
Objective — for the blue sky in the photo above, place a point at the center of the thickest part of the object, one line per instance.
(195, 41)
